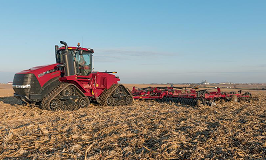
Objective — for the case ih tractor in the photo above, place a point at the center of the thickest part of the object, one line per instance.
(70, 83)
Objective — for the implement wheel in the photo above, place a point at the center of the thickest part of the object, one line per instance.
(234, 98)
(198, 103)
(222, 101)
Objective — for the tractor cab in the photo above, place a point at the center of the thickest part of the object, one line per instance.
(74, 60)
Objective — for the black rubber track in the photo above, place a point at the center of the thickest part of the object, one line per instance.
(109, 96)
(69, 104)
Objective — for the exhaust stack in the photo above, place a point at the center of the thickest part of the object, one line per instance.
(68, 61)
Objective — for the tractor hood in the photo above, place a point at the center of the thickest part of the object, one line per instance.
(43, 73)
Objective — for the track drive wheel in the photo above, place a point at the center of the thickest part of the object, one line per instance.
(69, 91)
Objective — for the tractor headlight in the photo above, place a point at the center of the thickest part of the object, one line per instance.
(21, 86)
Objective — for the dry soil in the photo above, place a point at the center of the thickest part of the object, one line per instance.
(144, 130)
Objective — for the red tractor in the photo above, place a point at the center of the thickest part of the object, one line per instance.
(70, 83)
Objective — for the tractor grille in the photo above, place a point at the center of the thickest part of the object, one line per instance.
(25, 84)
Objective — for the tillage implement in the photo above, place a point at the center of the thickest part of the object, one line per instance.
(191, 97)
(70, 83)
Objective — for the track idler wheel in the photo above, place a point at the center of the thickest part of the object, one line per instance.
(110, 101)
(83, 102)
(129, 99)
(55, 104)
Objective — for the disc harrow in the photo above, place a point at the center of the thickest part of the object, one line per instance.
(190, 97)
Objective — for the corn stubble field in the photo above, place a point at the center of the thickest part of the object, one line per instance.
(144, 130)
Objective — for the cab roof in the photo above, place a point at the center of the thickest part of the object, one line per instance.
(77, 48)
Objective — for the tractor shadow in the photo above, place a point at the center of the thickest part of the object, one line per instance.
(11, 100)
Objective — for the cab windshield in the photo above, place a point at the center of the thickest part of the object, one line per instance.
(83, 63)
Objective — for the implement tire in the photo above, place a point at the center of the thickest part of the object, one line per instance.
(234, 98)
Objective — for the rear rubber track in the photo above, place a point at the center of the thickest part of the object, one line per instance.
(107, 99)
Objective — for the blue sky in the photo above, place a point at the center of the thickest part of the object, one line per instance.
(144, 41)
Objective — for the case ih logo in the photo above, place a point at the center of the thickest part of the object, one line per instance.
(46, 72)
